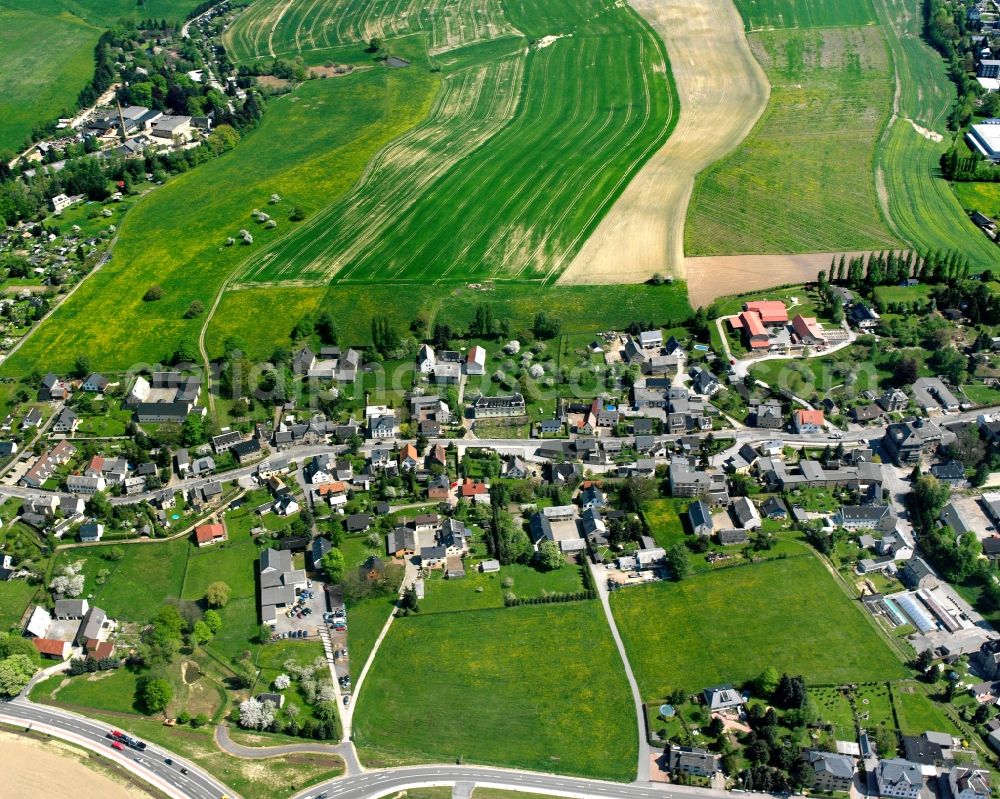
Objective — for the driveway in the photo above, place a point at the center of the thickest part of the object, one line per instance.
(646, 754)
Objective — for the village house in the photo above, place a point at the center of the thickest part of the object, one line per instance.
(899, 779)
(208, 534)
(832, 771)
(805, 421)
(693, 761)
(503, 407)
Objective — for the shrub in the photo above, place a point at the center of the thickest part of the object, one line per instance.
(153, 293)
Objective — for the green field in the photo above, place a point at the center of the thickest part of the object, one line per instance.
(44, 62)
(264, 318)
(728, 626)
(766, 14)
(920, 202)
(538, 687)
(831, 95)
(324, 25)
(310, 147)
(550, 133)
(47, 55)
(14, 598)
(138, 583)
(982, 197)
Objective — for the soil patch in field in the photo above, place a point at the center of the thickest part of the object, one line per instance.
(273, 82)
(333, 71)
(722, 91)
(60, 768)
(714, 276)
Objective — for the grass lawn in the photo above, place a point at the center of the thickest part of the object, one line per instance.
(365, 620)
(981, 394)
(477, 590)
(310, 148)
(260, 316)
(538, 687)
(664, 517)
(982, 197)
(834, 708)
(904, 293)
(727, 626)
(15, 595)
(112, 424)
(108, 690)
(832, 86)
(850, 370)
(138, 583)
(918, 713)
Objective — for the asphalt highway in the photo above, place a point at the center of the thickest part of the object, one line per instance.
(150, 764)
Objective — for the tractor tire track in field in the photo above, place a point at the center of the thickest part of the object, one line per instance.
(471, 107)
(267, 28)
(723, 91)
(577, 113)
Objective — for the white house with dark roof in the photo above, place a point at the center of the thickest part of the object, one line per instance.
(899, 779)
(833, 772)
(722, 697)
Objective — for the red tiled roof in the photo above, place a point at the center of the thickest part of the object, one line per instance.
(806, 327)
(100, 649)
(809, 417)
(204, 533)
(753, 324)
(771, 311)
(336, 487)
(49, 646)
(471, 488)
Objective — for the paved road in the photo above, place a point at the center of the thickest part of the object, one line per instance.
(373, 784)
(645, 752)
(196, 784)
(345, 751)
(525, 448)
(148, 765)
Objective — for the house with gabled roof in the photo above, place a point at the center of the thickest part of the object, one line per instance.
(208, 534)
(700, 517)
(806, 421)
(722, 697)
(833, 772)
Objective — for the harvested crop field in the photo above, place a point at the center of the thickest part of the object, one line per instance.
(714, 276)
(722, 91)
(65, 773)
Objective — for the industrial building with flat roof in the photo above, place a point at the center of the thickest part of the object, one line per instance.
(985, 137)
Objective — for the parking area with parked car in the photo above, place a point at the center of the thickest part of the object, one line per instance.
(304, 618)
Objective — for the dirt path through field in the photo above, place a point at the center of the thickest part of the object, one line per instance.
(32, 768)
(714, 276)
(723, 92)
